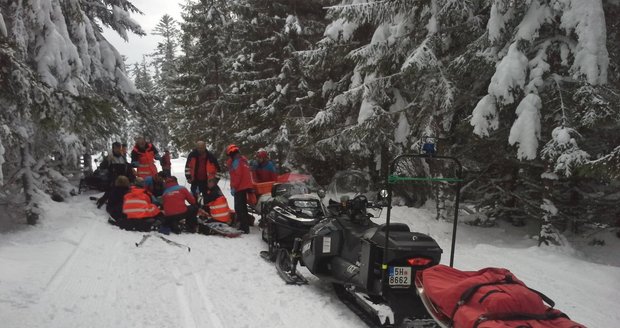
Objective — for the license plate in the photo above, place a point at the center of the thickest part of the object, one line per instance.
(399, 276)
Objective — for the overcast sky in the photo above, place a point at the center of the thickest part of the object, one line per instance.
(153, 11)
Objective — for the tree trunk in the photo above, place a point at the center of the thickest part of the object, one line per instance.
(32, 209)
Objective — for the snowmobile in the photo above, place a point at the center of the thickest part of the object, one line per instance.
(293, 207)
(97, 180)
(371, 266)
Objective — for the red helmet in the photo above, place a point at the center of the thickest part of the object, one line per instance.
(262, 154)
(231, 149)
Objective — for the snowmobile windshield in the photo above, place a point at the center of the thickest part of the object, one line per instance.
(297, 183)
(348, 184)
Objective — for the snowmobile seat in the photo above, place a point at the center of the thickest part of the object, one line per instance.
(395, 227)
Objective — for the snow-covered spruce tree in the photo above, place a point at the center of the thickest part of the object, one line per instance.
(401, 80)
(272, 96)
(166, 72)
(283, 95)
(64, 90)
(547, 97)
(201, 108)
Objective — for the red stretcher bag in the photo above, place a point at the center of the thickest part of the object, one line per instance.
(490, 298)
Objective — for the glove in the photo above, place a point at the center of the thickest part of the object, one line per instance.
(188, 178)
(232, 191)
(100, 202)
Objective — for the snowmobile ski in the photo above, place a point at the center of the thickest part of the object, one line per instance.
(376, 315)
(267, 256)
(144, 238)
(287, 269)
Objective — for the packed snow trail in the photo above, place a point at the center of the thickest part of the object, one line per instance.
(76, 270)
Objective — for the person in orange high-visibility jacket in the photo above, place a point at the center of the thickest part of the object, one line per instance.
(139, 210)
(143, 158)
(216, 203)
(201, 165)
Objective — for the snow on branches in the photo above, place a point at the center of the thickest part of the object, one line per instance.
(525, 28)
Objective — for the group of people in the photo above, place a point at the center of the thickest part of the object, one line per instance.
(140, 198)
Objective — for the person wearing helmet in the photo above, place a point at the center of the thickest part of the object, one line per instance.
(240, 185)
(263, 168)
(200, 166)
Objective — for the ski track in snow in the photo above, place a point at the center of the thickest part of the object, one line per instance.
(75, 270)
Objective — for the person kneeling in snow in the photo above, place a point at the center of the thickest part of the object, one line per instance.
(141, 214)
(176, 212)
(216, 204)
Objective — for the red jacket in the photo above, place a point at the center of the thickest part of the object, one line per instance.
(192, 170)
(240, 175)
(174, 199)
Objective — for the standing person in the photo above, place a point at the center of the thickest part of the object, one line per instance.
(143, 157)
(166, 164)
(263, 168)
(240, 185)
(200, 166)
(116, 165)
(175, 210)
(88, 162)
(124, 149)
(140, 212)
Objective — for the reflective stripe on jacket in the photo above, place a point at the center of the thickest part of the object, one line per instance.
(137, 204)
(219, 210)
(146, 161)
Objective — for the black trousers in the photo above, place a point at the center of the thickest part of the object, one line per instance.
(189, 216)
(241, 209)
(138, 224)
(198, 186)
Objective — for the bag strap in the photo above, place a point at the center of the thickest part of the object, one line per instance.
(469, 293)
(514, 316)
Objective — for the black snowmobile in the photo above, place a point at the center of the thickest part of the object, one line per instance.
(372, 266)
(294, 206)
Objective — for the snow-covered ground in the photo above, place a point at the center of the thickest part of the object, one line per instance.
(75, 270)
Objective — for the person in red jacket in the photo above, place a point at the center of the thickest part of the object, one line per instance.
(240, 185)
(166, 164)
(263, 168)
(175, 209)
(200, 166)
(143, 158)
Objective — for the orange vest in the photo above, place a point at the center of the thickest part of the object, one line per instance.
(219, 210)
(146, 165)
(137, 204)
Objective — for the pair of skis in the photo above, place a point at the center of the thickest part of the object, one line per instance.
(168, 241)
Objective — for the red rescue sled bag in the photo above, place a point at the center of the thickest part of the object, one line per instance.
(490, 298)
